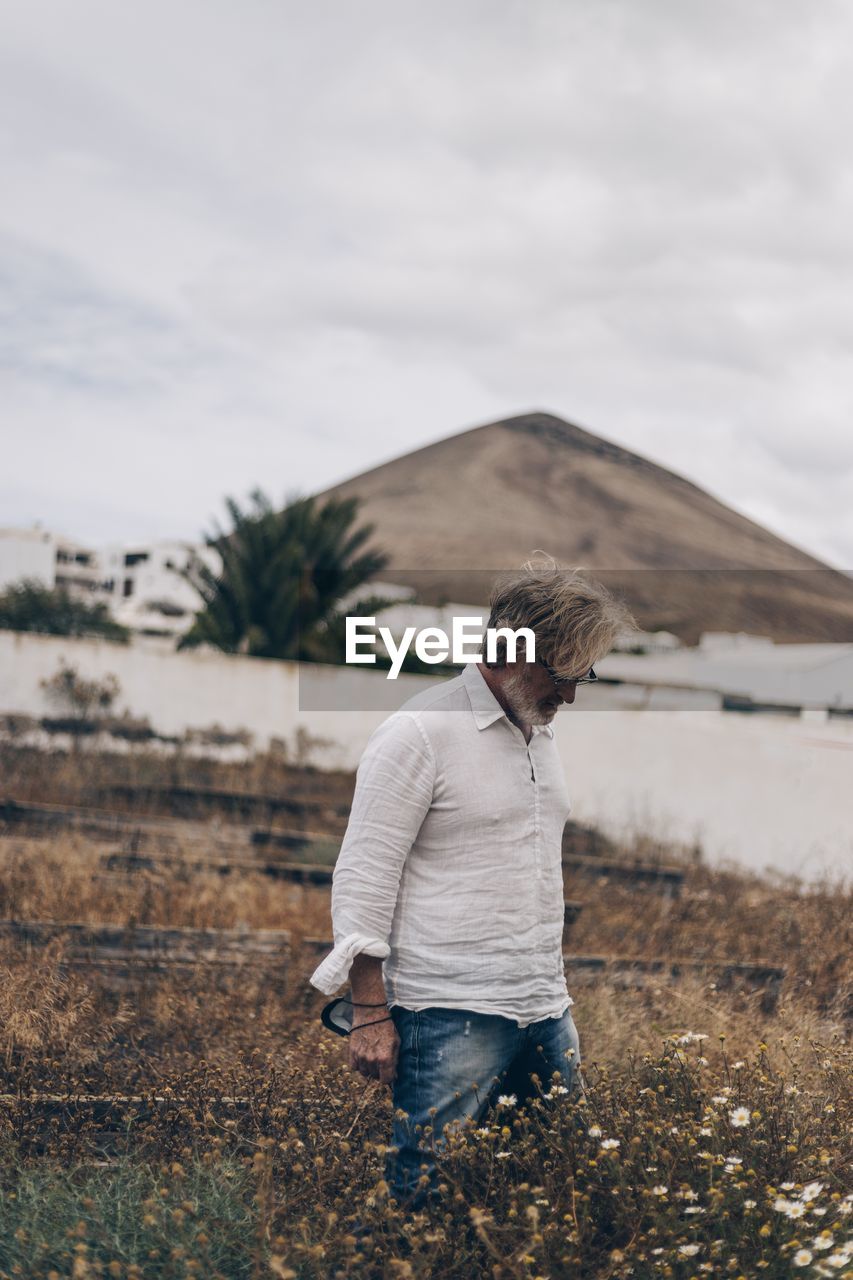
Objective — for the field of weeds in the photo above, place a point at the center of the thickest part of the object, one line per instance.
(202, 1123)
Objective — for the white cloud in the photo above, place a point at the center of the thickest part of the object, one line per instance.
(284, 243)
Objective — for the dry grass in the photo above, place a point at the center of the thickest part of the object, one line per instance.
(67, 777)
(535, 1195)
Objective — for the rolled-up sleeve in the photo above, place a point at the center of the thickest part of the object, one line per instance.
(393, 792)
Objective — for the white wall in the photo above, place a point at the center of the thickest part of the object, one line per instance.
(759, 790)
(192, 690)
(762, 791)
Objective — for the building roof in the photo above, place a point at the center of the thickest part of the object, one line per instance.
(749, 667)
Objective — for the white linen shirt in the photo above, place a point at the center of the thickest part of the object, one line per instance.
(451, 866)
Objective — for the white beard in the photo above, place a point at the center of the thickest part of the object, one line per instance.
(524, 706)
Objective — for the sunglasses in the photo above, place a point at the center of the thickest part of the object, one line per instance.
(337, 1016)
(589, 678)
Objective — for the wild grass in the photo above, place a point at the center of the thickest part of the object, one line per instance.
(125, 1219)
(712, 1138)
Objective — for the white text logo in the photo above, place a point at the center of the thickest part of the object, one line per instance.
(432, 644)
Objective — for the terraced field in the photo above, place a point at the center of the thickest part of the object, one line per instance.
(171, 1106)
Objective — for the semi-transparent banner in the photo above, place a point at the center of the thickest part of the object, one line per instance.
(778, 641)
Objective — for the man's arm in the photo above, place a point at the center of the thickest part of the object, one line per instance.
(393, 793)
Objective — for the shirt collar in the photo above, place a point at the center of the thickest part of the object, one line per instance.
(485, 707)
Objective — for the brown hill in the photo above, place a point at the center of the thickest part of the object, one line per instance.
(452, 513)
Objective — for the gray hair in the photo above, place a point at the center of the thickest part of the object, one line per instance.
(575, 619)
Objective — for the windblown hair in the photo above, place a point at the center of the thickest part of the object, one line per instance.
(575, 619)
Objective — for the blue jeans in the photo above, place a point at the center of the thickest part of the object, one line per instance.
(458, 1062)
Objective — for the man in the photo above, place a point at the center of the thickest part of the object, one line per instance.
(447, 899)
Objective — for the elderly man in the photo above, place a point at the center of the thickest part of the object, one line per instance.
(447, 901)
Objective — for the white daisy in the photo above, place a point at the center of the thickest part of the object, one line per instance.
(790, 1208)
(507, 1100)
(739, 1118)
(823, 1241)
(811, 1191)
(688, 1250)
(659, 1190)
(802, 1258)
(594, 1131)
(610, 1144)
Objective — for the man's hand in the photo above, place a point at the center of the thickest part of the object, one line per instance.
(373, 1049)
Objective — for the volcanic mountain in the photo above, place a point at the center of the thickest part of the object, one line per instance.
(451, 514)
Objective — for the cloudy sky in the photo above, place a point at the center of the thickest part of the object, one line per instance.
(277, 243)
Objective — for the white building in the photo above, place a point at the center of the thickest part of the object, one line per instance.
(27, 555)
(646, 642)
(79, 570)
(148, 590)
(142, 585)
(397, 617)
(747, 672)
(51, 560)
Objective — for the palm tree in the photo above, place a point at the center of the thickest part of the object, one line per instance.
(283, 574)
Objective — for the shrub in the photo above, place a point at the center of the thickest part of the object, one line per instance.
(30, 606)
